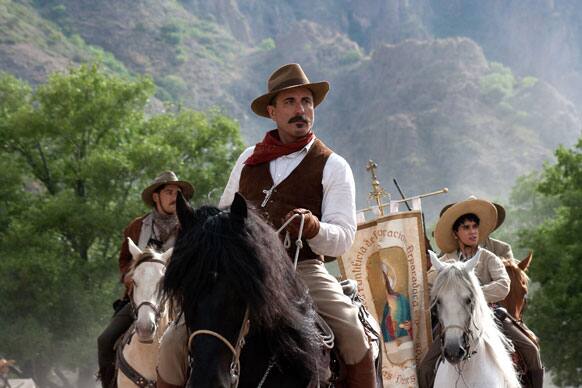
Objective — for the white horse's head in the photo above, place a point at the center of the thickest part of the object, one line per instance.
(457, 296)
(147, 269)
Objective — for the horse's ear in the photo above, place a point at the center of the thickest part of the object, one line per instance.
(436, 263)
(239, 206)
(472, 263)
(133, 249)
(167, 254)
(184, 212)
(524, 264)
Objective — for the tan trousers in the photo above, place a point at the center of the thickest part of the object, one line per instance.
(336, 309)
(173, 355)
(331, 303)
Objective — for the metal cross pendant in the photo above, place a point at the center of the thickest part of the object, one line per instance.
(268, 194)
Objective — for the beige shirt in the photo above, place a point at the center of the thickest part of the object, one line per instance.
(489, 270)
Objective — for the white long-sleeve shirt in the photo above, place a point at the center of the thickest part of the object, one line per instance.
(337, 226)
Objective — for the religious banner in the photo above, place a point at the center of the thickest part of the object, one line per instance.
(388, 262)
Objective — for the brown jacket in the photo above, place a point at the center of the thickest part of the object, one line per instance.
(132, 231)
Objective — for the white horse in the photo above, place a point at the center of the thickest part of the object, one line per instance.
(137, 358)
(475, 352)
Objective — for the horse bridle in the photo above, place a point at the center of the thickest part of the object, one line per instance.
(467, 335)
(158, 310)
(235, 350)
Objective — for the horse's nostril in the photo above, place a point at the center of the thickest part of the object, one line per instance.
(454, 354)
(462, 353)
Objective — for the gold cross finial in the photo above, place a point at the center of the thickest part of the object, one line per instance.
(377, 192)
(372, 168)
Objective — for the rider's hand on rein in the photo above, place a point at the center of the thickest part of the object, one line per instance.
(310, 227)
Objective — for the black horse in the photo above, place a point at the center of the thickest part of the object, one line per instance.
(230, 265)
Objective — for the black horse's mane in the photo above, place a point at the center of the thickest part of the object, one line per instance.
(245, 253)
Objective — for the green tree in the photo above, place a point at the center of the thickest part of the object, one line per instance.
(527, 209)
(555, 312)
(75, 154)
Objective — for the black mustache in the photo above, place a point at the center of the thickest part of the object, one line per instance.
(300, 118)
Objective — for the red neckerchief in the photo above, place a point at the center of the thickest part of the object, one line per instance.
(271, 148)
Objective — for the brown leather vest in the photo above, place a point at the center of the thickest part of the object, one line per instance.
(301, 189)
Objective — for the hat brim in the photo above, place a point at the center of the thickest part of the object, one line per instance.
(319, 90)
(147, 194)
(500, 214)
(486, 212)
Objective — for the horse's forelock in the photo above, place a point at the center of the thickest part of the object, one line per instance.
(453, 277)
(147, 254)
(456, 279)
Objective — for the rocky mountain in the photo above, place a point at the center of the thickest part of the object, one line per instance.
(437, 93)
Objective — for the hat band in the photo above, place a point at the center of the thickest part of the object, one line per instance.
(290, 82)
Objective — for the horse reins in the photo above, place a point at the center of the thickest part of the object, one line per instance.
(298, 242)
(235, 350)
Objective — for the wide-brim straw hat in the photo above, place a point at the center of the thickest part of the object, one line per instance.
(483, 209)
(284, 78)
(500, 214)
(166, 178)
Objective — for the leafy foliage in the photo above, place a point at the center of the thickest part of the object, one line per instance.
(75, 154)
(555, 311)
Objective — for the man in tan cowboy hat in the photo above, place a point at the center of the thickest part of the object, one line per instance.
(156, 229)
(461, 228)
(500, 248)
(291, 171)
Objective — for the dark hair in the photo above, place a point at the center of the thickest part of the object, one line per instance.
(465, 217)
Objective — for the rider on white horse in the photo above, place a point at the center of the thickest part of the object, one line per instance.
(459, 231)
(156, 229)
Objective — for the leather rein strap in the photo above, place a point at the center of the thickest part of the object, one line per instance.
(129, 371)
(235, 350)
